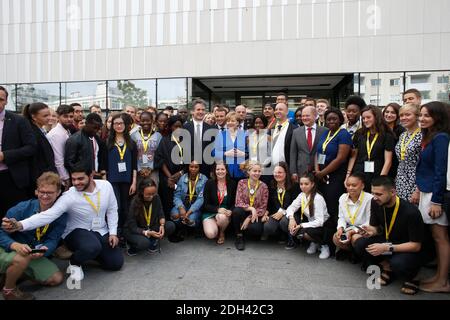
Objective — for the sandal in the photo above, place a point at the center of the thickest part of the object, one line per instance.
(220, 240)
(386, 277)
(410, 287)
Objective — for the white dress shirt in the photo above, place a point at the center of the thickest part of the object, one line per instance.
(278, 148)
(196, 124)
(80, 214)
(320, 210)
(58, 137)
(363, 216)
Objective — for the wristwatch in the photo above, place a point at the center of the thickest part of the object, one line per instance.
(391, 247)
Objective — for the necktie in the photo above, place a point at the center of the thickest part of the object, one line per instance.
(199, 133)
(279, 127)
(310, 144)
(222, 128)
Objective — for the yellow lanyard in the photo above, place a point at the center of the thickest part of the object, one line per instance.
(278, 131)
(148, 214)
(394, 216)
(281, 196)
(328, 140)
(145, 140)
(121, 151)
(178, 144)
(353, 217)
(370, 145)
(192, 188)
(304, 206)
(256, 142)
(252, 196)
(41, 232)
(95, 207)
(404, 146)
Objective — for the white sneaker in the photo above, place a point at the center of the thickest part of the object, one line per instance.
(76, 272)
(324, 252)
(312, 248)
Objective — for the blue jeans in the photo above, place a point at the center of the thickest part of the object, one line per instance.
(194, 216)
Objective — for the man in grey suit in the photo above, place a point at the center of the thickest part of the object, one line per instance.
(304, 144)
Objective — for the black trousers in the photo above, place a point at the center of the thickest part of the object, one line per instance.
(121, 191)
(403, 264)
(317, 234)
(140, 242)
(166, 195)
(10, 194)
(238, 217)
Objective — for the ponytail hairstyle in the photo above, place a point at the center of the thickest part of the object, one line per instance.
(311, 178)
(32, 109)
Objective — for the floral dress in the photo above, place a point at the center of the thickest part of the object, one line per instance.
(405, 182)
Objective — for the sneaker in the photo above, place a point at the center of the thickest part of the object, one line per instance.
(239, 243)
(312, 248)
(62, 253)
(154, 248)
(324, 252)
(290, 244)
(76, 272)
(17, 294)
(132, 252)
(341, 255)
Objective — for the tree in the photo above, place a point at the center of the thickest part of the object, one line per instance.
(131, 94)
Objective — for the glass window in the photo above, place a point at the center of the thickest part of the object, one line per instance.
(11, 89)
(138, 93)
(443, 79)
(395, 82)
(432, 85)
(172, 92)
(375, 82)
(47, 93)
(84, 93)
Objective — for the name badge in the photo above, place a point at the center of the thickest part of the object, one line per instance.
(321, 159)
(144, 159)
(122, 166)
(369, 166)
(96, 223)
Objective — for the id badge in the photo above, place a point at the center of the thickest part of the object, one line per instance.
(144, 159)
(321, 159)
(369, 167)
(122, 166)
(96, 223)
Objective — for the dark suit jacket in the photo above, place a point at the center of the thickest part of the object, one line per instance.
(44, 158)
(210, 199)
(204, 168)
(287, 141)
(18, 146)
(302, 159)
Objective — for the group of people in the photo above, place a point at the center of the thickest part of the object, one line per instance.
(365, 184)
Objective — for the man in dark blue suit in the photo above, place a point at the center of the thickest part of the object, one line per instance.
(197, 129)
(17, 146)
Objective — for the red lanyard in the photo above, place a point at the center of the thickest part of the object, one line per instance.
(221, 195)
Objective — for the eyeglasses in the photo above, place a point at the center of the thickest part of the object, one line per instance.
(48, 194)
(118, 124)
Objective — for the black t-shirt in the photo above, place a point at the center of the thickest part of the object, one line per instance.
(408, 226)
(383, 143)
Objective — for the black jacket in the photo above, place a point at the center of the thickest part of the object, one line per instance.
(79, 150)
(136, 223)
(204, 168)
(44, 158)
(18, 146)
(210, 199)
(274, 203)
(287, 141)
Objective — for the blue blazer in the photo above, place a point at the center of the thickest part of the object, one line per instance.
(431, 171)
(224, 143)
(23, 211)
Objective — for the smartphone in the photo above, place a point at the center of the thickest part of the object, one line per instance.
(344, 237)
(33, 251)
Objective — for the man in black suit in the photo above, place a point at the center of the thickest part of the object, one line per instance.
(17, 146)
(197, 129)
